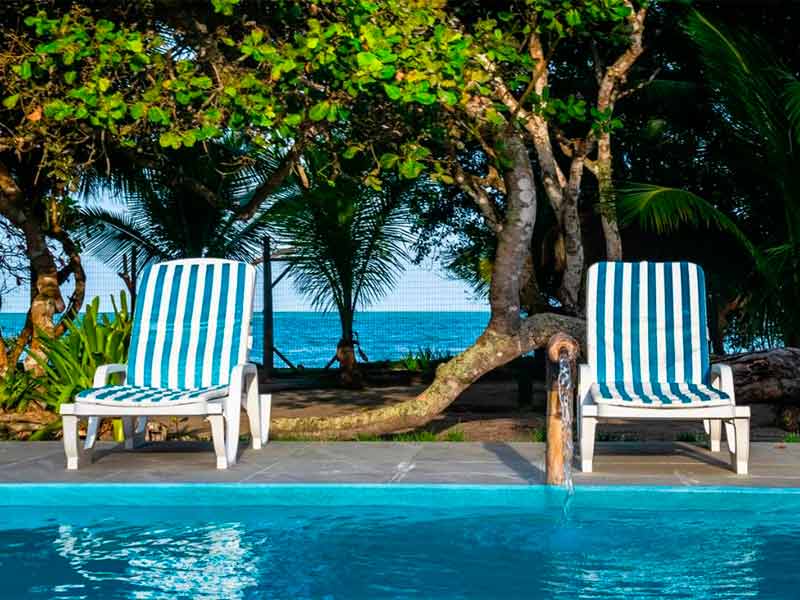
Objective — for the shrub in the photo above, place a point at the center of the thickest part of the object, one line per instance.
(422, 360)
(16, 389)
(92, 340)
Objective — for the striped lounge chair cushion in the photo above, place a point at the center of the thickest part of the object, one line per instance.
(191, 324)
(129, 395)
(647, 336)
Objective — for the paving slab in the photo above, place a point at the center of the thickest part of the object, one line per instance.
(617, 463)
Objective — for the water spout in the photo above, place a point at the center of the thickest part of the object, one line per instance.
(565, 404)
(562, 352)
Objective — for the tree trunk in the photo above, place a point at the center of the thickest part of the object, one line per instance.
(768, 377)
(608, 198)
(572, 278)
(46, 298)
(349, 375)
(514, 241)
(491, 350)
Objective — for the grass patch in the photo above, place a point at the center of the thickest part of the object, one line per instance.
(454, 435)
(791, 438)
(539, 435)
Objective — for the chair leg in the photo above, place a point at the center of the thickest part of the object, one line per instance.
(714, 431)
(218, 436)
(133, 427)
(265, 403)
(253, 409)
(232, 413)
(740, 453)
(71, 441)
(588, 428)
(92, 430)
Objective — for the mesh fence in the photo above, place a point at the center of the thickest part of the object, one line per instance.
(426, 311)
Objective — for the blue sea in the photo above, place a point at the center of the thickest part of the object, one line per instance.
(309, 338)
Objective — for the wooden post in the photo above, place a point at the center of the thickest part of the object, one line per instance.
(559, 343)
(269, 342)
(555, 434)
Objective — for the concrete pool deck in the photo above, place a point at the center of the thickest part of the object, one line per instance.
(616, 463)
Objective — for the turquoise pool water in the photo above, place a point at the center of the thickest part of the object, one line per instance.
(255, 541)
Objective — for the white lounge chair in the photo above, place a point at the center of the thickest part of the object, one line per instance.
(648, 355)
(188, 356)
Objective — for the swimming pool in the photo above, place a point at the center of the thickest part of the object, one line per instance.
(409, 541)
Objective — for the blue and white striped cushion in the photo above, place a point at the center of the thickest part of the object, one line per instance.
(129, 395)
(647, 337)
(191, 324)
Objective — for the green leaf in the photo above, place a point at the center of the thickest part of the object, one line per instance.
(393, 91)
(425, 98)
(137, 110)
(410, 169)
(11, 101)
(388, 160)
(448, 97)
(368, 61)
(156, 115)
(293, 119)
(25, 70)
(319, 111)
(351, 152)
(170, 139)
(103, 84)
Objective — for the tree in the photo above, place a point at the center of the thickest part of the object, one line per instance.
(346, 246)
(757, 101)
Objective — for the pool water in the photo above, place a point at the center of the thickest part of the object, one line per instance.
(261, 541)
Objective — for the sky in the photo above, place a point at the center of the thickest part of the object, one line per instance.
(420, 288)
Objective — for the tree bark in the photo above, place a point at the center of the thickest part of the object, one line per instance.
(767, 377)
(514, 242)
(608, 198)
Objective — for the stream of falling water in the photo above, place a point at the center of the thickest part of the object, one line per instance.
(565, 400)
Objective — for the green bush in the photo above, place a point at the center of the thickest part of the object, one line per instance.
(92, 340)
(422, 360)
(16, 389)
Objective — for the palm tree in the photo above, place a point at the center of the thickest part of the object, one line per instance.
(346, 247)
(180, 207)
(757, 100)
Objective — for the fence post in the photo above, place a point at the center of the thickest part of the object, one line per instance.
(268, 360)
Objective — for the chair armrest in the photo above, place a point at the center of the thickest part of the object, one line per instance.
(722, 378)
(585, 382)
(241, 376)
(103, 372)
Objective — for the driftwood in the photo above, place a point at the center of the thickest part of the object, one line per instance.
(768, 377)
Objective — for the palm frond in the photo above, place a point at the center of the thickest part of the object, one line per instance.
(666, 210)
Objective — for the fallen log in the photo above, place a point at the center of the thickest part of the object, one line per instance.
(766, 377)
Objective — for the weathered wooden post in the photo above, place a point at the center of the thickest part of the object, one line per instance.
(269, 343)
(560, 346)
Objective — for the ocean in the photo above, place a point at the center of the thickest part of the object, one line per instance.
(309, 338)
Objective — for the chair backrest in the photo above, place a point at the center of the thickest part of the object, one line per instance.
(647, 322)
(191, 323)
